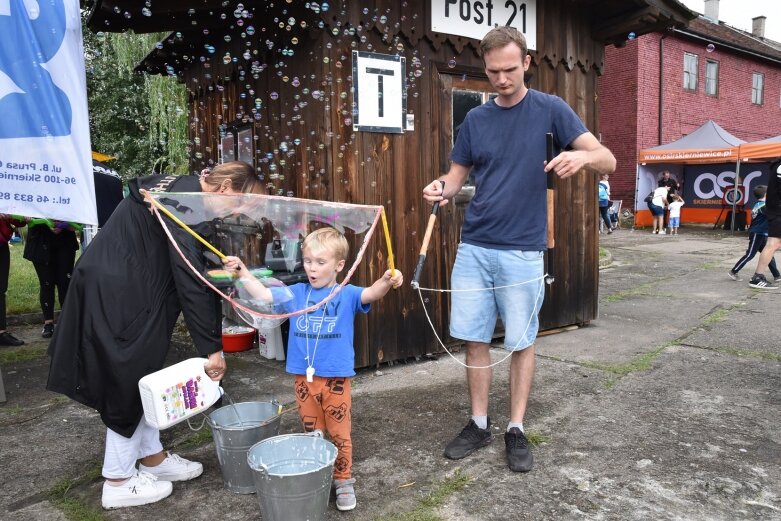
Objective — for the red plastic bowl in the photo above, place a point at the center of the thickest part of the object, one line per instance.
(237, 342)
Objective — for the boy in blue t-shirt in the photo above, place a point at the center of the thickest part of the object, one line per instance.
(320, 349)
(757, 235)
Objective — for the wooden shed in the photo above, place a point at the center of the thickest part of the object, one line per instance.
(274, 83)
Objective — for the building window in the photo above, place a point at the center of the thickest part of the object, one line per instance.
(711, 78)
(236, 143)
(690, 62)
(757, 88)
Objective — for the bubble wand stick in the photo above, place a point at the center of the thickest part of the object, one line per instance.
(426, 238)
(551, 241)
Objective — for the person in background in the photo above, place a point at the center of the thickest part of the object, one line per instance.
(503, 239)
(675, 214)
(7, 228)
(773, 212)
(658, 205)
(666, 179)
(757, 235)
(51, 246)
(603, 196)
(127, 292)
(324, 365)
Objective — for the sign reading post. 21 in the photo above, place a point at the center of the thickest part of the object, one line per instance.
(474, 18)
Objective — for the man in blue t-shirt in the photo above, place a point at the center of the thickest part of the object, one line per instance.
(503, 237)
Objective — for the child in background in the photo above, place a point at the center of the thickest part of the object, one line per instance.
(320, 344)
(675, 214)
(757, 235)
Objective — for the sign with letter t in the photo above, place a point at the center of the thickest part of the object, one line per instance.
(379, 92)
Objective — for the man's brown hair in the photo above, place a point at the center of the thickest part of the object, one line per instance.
(502, 36)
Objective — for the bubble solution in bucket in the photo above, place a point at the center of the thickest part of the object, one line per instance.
(236, 428)
(173, 394)
(293, 475)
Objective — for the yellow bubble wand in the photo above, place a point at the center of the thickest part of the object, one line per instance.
(388, 243)
(178, 221)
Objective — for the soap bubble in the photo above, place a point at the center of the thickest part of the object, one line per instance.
(710, 47)
(631, 36)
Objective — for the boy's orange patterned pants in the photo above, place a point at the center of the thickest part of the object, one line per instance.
(326, 404)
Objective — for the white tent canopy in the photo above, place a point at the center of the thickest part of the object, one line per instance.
(708, 144)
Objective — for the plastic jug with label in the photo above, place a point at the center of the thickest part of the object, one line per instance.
(177, 392)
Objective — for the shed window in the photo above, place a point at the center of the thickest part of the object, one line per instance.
(237, 143)
(757, 88)
(690, 64)
(463, 102)
(711, 78)
(228, 147)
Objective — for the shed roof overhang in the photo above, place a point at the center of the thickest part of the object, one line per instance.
(611, 22)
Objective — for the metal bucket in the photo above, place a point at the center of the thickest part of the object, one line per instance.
(293, 476)
(236, 428)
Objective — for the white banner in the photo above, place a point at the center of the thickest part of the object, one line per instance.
(45, 155)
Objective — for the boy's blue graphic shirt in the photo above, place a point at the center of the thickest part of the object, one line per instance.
(328, 330)
(758, 219)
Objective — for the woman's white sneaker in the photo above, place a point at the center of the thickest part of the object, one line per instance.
(141, 489)
(174, 468)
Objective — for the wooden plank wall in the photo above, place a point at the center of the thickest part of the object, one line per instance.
(332, 162)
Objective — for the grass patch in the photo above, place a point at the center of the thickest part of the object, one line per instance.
(642, 289)
(426, 511)
(602, 253)
(22, 294)
(750, 354)
(710, 265)
(641, 363)
(23, 287)
(73, 507)
(609, 383)
(536, 438)
(24, 354)
(195, 439)
(717, 316)
(13, 410)
(76, 509)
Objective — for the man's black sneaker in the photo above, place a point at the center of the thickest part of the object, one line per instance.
(468, 440)
(48, 330)
(758, 281)
(519, 455)
(7, 339)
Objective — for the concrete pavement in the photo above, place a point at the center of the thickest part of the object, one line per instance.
(667, 407)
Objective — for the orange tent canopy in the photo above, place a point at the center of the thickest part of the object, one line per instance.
(766, 149)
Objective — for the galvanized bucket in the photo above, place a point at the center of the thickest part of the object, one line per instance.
(236, 428)
(293, 476)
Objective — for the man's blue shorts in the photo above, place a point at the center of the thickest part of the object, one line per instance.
(517, 275)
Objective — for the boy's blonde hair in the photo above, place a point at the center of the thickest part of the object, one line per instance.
(328, 239)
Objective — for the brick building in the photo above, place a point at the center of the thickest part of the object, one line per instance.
(659, 87)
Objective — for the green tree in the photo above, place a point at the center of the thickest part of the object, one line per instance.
(139, 119)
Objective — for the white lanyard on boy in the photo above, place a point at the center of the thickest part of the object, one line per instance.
(310, 360)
